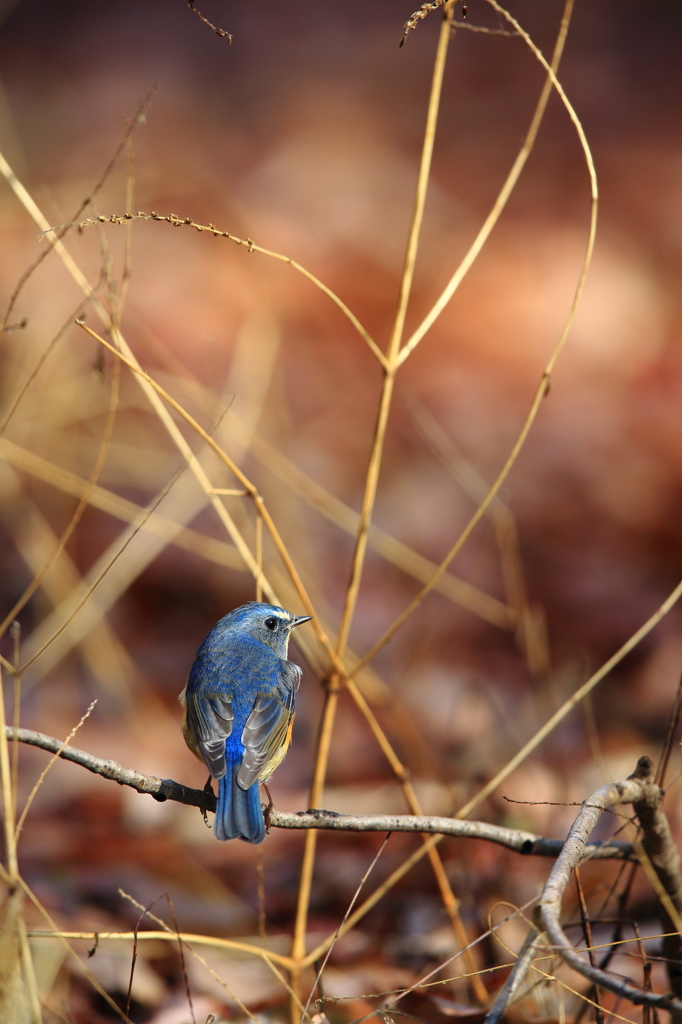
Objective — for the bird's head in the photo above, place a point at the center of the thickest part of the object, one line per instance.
(268, 623)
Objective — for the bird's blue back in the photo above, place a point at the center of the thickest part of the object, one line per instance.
(231, 662)
(239, 704)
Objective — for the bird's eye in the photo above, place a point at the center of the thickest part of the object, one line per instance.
(271, 623)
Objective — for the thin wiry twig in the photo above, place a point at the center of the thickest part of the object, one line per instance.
(41, 777)
(184, 940)
(587, 932)
(138, 119)
(483, 30)
(218, 31)
(146, 911)
(356, 894)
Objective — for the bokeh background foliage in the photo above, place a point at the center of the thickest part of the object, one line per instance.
(305, 135)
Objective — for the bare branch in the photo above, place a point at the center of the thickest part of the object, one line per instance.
(160, 789)
(664, 856)
(640, 790)
(510, 988)
(518, 840)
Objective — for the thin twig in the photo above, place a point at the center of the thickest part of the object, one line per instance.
(41, 777)
(80, 508)
(670, 737)
(23, 195)
(325, 961)
(587, 932)
(184, 941)
(218, 31)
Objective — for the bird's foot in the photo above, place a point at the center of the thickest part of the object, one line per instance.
(210, 801)
(269, 809)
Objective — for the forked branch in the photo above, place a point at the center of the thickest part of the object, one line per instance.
(641, 791)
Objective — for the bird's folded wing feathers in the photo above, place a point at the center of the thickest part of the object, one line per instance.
(211, 718)
(266, 727)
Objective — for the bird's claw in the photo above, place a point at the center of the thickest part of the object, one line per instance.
(267, 812)
(208, 790)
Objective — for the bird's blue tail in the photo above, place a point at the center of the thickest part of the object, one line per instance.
(238, 814)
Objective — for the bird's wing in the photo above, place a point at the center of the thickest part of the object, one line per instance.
(210, 719)
(266, 729)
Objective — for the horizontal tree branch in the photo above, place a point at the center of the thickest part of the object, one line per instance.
(513, 838)
(160, 789)
(166, 789)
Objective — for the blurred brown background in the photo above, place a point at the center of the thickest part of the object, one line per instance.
(304, 135)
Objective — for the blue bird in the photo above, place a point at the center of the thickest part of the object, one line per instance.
(239, 710)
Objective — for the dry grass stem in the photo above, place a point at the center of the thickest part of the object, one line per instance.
(509, 184)
(251, 246)
(49, 765)
(77, 512)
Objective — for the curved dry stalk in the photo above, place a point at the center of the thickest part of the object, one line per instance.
(170, 218)
(545, 380)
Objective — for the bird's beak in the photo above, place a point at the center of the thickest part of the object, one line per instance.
(300, 620)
